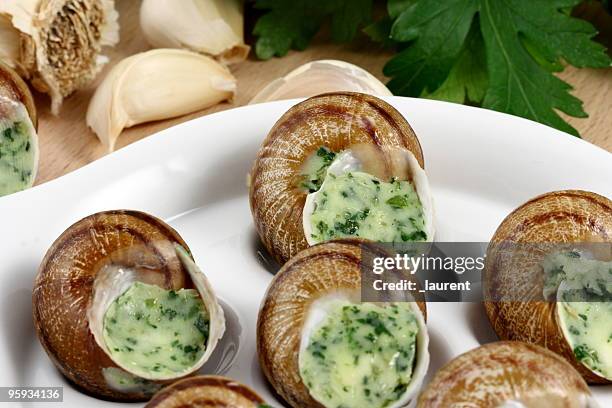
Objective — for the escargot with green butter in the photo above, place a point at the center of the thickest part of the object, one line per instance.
(121, 307)
(548, 278)
(320, 346)
(18, 138)
(340, 165)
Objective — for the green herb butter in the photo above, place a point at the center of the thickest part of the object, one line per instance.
(588, 329)
(314, 169)
(589, 279)
(123, 381)
(156, 332)
(584, 307)
(18, 154)
(361, 355)
(359, 204)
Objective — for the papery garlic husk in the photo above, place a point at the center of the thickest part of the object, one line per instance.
(211, 27)
(513, 280)
(317, 77)
(507, 374)
(206, 391)
(57, 44)
(92, 263)
(297, 299)
(154, 85)
(18, 137)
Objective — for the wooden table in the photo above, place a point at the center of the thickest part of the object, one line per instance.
(67, 144)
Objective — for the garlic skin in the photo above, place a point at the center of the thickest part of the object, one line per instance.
(154, 85)
(57, 44)
(317, 77)
(211, 27)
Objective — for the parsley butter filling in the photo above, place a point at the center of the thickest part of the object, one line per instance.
(345, 201)
(156, 333)
(18, 152)
(360, 355)
(584, 308)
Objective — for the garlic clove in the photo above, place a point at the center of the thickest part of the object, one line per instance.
(212, 27)
(154, 85)
(321, 76)
(57, 44)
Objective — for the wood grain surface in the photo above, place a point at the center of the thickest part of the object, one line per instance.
(67, 144)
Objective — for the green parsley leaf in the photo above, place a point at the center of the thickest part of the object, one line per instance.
(518, 85)
(348, 17)
(292, 24)
(467, 81)
(500, 55)
(398, 201)
(524, 42)
(397, 7)
(380, 31)
(436, 31)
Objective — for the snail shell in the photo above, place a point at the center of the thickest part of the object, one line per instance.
(206, 391)
(570, 216)
(507, 374)
(334, 120)
(87, 267)
(323, 270)
(13, 88)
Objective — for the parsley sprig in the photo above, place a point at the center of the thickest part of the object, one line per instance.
(501, 55)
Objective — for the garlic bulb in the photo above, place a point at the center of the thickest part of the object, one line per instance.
(321, 76)
(212, 27)
(57, 44)
(155, 85)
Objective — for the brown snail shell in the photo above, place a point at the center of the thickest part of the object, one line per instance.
(335, 120)
(85, 269)
(497, 373)
(318, 271)
(15, 89)
(570, 216)
(206, 391)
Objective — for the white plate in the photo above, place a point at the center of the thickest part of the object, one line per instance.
(481, 165)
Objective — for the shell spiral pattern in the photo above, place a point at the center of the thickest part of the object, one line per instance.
(334, 120)
(548, 220)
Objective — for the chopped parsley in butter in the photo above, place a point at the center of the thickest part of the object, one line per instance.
(584, 289)
(314, 169)
(156, 332)
(359, 204)
(588, 328)
(17, 156)
(360, 355)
